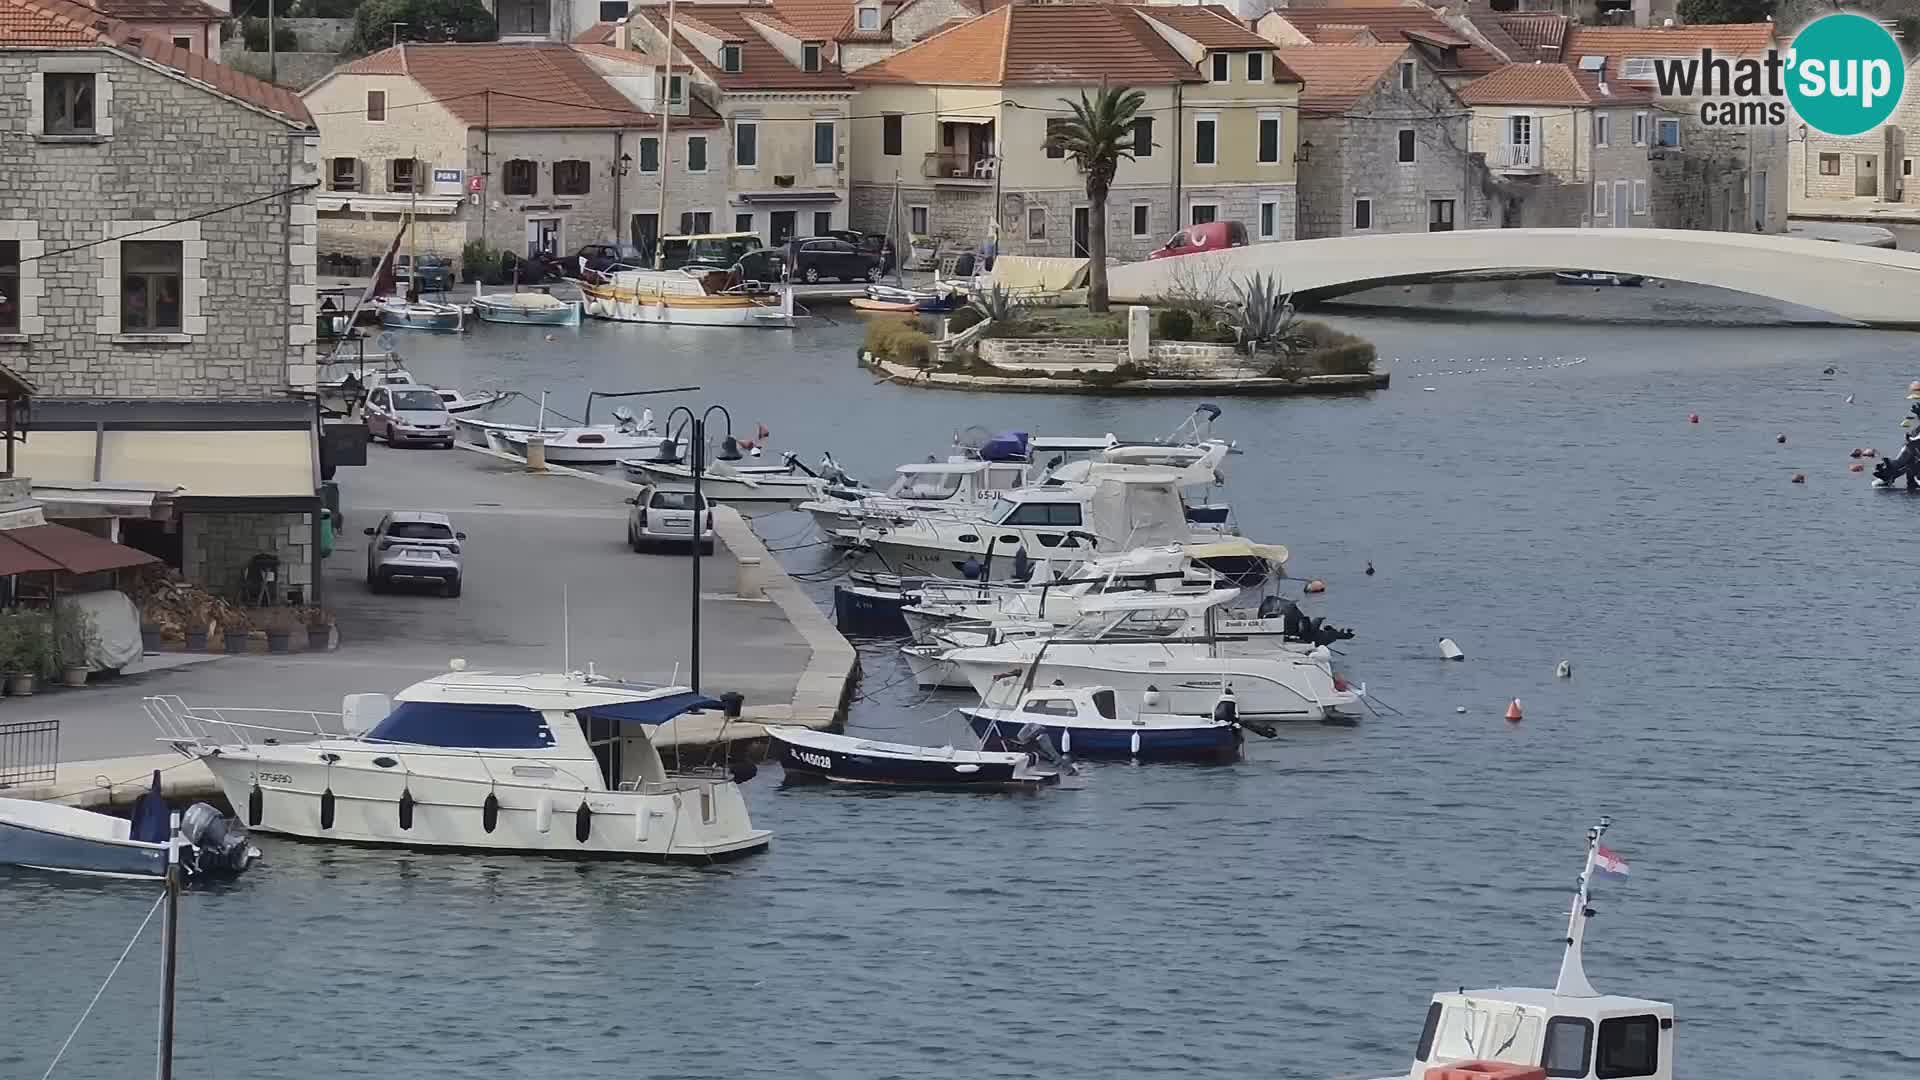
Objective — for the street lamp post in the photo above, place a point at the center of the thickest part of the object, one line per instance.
(696, 425)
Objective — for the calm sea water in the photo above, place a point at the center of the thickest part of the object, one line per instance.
(1739, 645)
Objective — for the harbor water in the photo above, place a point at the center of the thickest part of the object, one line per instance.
(1530, 487)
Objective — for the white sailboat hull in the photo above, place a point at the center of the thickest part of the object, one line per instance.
(1267, 689)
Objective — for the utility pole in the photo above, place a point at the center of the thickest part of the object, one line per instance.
(273, 56)
(660, 219)
(486, 158)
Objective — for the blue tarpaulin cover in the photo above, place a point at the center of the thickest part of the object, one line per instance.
(654, 711)
(1006, 446)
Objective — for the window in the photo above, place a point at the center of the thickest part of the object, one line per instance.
(1270, 138)
(150, 286)
(613, 10)
(676, 90)
(1043, 514)
(1639, 196)
(729, 58)
(746, 144)
(1406, 145)
(1639, 129)
(1362, 214)
(522, 177)
(1637, 67)
(1569, 1046)
(823, 143)
(1220, 65)
(1427, 1030)
(1439, 215)
(9, 286)
(890, 134)
(1829, 164)
(1906, 167)
(1140, 219)
(1628, 1046)
(571, 178)
(1668, 132)
(185, 43)
(1269, 220)
(1406, 74)
(1036, 223)
(344, 174)
(1050, 706)
(1142, 136)
(822, 222)
(869, 18)
(686, 222)
(1203, 148)
(696, 154)
(376, 106)
(402, 175)
(1602, 199)
(743, 221)
(69, 104)
(1201, 213)
(1055, 125)
(1602, 129)
(810, 56)
(917, 220)
(650, 155)
(1256, 67)
(484, 726)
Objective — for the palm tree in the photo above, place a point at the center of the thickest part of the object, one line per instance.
(1096, 136)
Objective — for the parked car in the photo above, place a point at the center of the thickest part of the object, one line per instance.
(714, 251)
(407, 413)
(1208, 236)
(415, 545)
(435, 274)
(600, 258)
(767, 266)
(819, 259)
(667, 517)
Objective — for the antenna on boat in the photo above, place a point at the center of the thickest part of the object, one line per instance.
(566, 632)
(1573, 975)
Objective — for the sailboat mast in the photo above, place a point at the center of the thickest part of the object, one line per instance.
(413, 242)
(666, 158)
(171, 939)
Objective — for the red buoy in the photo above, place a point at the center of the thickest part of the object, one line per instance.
(1693, 418)
(1855, 467)
(1513, 709)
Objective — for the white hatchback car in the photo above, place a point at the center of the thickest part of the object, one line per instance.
(667, 517)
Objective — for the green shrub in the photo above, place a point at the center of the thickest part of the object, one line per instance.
(965, 318)
(1173, 324)
(902, 342)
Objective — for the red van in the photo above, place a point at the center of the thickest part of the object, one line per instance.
(1209, 236)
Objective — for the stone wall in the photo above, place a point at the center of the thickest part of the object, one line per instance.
(1877, 165)
(1091, 354)
(215, 550)
(1356, 156)
(290, 69)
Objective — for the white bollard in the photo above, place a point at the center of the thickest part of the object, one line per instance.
(537, 453)
(750, 585)
(1137, 334)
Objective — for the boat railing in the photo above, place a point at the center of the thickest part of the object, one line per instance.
(201, 727)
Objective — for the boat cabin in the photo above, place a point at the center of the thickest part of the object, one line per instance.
(954, 481)
(1145, 616)
(1602, 1037)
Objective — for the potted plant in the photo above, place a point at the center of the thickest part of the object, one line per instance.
(149, 635)
(196, 636)
(30, 653)
(319, 631)
(236, 629)
(476, 260)
(9, 647)
(75, 641)
(279, 630)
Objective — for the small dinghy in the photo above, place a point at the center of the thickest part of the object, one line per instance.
(526, 309)
(825, 758)
(458, 403)
(925, 301)
(1599, 277)
(1086, 722)
(67, 839)
(399, 314)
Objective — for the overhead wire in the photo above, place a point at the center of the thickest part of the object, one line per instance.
(157, 901)
(158, 225)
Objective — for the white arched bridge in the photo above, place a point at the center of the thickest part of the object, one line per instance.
(1869, 285)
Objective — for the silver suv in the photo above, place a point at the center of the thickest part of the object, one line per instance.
(667, 517)
(407, 413)
(414, 544)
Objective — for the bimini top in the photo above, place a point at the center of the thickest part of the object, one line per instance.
(644, 703)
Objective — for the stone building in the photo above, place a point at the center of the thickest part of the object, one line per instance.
(1565, 147)
(1876, 165)
(191, 25)
(1384, 144)
(525, 146)
(966, 142)
(157, 267)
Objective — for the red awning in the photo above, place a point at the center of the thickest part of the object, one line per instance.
(57, 547)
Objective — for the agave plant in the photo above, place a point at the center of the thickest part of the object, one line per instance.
(1262, 318)
(995, 304)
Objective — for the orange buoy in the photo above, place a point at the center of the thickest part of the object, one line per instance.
(1316, 586)
(1513, 709)
(1693, 418)
(1870, 452)
(1799, 478)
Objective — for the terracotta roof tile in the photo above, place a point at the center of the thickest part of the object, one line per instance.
(256, 92)
(820, 20)
(517, 84)
(1540, 35)
(1338, 76)
(1331, 34)
(1618, 43)
(1039, 44)
(600, 33)
(1392, 25)
(171, 10)
(49, 22)
(385, 62)
(762, 66)
(1549, 84)
(779, 26)
(1212, 26)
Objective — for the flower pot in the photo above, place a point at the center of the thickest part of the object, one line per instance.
(74, 676)
(236, 642)
(196, 641)
(319, 638)
(20, 684)
(149, 638)
(279, 640)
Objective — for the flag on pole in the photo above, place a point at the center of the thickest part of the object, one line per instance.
(1608, 865)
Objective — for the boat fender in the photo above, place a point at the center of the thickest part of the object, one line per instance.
(744, 771)
(406, 808)
(543, 815)
(490, 812)
(1450, 651)
(583, 822)
(255, 804)
(1133, 745)
(326, 808)
(1226, 710)
(1565, 670)
(1151, 699)
(1066, 741)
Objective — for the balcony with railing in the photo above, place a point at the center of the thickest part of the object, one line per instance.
(1513, 157)
(958, 167)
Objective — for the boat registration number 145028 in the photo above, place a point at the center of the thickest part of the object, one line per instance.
(818, 761)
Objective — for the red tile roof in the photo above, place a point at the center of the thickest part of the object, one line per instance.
(1331, 34)
(600, 33)
(1039, 44)
(819, 20)
(1338, 76)
(1212, 26)
(762, 66)
(1619, 43)
(517, 84)
(1540, 35)
(50, 22)
(1550, 84)
(153, 10)
(1393, 25)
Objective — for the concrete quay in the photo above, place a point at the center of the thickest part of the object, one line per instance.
(532, 540)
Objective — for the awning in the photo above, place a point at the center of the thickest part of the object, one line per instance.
(374, 204)
(965, 118)
(789, 195)
(653, 710)
(229, 464)
(103, 500)
(56, 547)
(1239, 549)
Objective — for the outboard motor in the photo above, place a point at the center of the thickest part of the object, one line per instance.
(1272, 607)
(213, 849)
(1034, 739)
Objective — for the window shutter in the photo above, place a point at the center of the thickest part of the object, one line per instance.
(360, 174)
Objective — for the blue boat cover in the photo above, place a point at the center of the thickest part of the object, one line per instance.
(1006, 446)
(448, 723)
(655, 710)
(152, 819)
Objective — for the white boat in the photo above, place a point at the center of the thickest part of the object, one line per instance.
(1166, 646)
(1088, 721)
(690, 297)
(725, 482)
(588, 444)
(541, 764)
(810, 756)
(1571, 1031)
(944, 488)
(68, 839)
(526, 308)
(1054, 598)
(927, 659)
(460, 404)
(398, 313)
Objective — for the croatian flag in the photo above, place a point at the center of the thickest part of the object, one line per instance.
(1608, 865)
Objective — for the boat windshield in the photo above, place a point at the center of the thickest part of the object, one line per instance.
(418, 401)
(926, 486)
(1147, 624)
(459, 724)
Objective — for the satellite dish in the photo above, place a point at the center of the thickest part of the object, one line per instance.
(387, 342)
